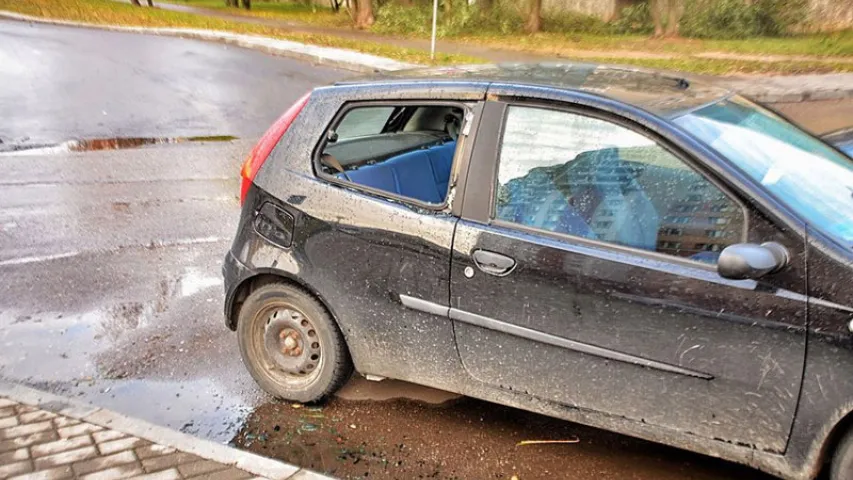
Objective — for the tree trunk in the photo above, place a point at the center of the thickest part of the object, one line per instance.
(363, 13)
(534, 17)
(447, 6)
(666, 15)
(136, 2)
(657, 7)
(618, 6)
(150, 3)
(676, 11)
(247, 4)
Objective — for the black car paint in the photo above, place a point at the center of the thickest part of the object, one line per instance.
(743, 346)
(383, 269)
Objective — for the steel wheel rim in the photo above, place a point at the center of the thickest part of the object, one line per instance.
(288, 344)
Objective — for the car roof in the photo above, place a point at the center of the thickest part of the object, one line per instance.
(658, 92)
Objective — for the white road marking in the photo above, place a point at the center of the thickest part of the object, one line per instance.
(153, 243)
(37, 259)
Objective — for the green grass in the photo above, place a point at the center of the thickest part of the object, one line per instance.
(838, 44)
(110, 12)
(294, 12)
(828, 44)
(727, 67)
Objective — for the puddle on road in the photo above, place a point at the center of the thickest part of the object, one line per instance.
(94, 144)
(62, 352)
(57, 346)
(116, 143)
(194, 281)
(200, 407)
(130, 142)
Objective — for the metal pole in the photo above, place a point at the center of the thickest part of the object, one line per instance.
(434, 18)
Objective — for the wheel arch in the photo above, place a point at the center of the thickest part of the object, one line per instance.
(830, 444)
(265, 277)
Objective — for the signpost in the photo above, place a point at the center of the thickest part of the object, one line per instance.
(434, 18)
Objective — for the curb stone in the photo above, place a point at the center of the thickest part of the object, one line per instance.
(767, 89)
(332, 57)
(249, 462)
(792, 88)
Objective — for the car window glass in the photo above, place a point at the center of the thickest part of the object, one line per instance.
(363, 121)
(815, 180)
(409, 155)
(577, 175)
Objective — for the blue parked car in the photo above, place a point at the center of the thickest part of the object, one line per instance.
(843, 139)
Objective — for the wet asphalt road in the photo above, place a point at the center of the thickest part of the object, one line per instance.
(110, 261)
(111, 287)
(63, 82)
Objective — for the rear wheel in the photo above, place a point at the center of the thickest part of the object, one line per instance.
(842, 461)
(290, 345)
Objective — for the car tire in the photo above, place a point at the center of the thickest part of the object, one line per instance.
(291, 345)
(842, 461)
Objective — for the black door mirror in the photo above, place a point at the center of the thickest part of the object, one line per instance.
(751, 261)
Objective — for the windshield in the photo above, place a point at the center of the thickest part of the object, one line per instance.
(812, 178)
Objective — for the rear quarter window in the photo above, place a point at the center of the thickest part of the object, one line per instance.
(363, 121)
(397, 150)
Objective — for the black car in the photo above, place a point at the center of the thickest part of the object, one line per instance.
(613, 247)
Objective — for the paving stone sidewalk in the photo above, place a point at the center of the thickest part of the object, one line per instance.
(44, 436)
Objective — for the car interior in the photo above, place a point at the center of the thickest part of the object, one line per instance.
(405, 150)
(636, 196)
(628, 196)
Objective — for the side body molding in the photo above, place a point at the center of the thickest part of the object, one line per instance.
(542, 337)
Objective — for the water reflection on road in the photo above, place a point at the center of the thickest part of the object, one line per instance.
(128, 356)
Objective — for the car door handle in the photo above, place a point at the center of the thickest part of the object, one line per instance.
(493, 263)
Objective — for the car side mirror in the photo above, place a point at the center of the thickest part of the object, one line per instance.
(751, 261)
(332, 137)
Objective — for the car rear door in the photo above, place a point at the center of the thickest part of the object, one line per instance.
(583, 274)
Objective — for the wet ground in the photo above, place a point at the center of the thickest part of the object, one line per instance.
(110, 285)
(467, 439)
(62, 83)
(111, 281)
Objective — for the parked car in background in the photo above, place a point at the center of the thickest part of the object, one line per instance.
(843, 139)
(608, 246)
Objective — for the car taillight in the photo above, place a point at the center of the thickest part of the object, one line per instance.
(265, 145)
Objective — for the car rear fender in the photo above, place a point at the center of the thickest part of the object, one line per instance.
(263, 277)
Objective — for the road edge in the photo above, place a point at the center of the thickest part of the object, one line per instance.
(327, 56)
(759, 88)
(249, 462)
